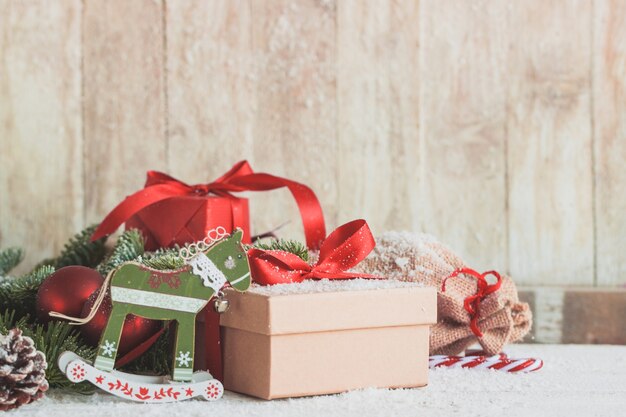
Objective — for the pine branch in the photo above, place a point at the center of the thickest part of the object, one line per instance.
(129, 246)
(80, 250)
(9, 259)
(169, 258)
(291, 246)
(53, 339)
(166, 261)
(163, 259)
(20, 294)
(8, 321)
(56, 338)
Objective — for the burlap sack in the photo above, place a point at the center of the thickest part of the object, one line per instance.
(421, 258)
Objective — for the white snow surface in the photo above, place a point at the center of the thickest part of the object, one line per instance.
(577, 380)
(310, 286)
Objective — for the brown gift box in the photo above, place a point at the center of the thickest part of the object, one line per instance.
(292, 345)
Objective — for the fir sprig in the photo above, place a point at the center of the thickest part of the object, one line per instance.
(20, 294)
(9, 259)
(53, 339)
(291, 246)
(80, 250)
(129, 246)
(163, 259)
(8, 321)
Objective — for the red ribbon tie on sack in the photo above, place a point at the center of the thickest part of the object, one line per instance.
(483, 289)
(240, 177)
(343, 249)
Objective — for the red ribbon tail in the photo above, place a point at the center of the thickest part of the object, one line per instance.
(135, 202)
(344, 248)
(240, 169)
(141, 349)
(475, 316)
(308, 204)
(158, 177)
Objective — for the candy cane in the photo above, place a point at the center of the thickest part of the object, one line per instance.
(498, 362)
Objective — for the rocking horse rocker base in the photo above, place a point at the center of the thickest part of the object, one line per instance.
(148, 389)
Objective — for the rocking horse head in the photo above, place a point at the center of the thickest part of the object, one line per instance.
(218, 262)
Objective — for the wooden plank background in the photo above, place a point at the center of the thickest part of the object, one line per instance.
(497, 126)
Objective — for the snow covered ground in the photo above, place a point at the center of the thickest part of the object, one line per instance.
(576, 380)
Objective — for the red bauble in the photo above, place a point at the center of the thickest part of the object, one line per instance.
(66, 291)
(136, 329)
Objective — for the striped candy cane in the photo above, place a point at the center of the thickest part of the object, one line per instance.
(498, 362)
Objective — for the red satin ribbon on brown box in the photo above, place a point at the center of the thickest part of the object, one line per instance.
(342, 250)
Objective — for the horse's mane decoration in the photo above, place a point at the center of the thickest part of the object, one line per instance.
(201, 265)
(178, 295)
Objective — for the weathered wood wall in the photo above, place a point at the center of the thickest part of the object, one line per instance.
(498, 126)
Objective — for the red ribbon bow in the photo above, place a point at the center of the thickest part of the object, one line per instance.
(341, 250)
(240, 177)
(483, 289)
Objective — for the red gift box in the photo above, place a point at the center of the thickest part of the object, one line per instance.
(190, 220)
(170, 212)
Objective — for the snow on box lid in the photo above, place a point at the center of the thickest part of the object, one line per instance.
(327, 305)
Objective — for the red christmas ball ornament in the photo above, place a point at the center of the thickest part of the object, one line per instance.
(136, 329)
(66, 291)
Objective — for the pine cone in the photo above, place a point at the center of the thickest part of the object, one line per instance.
(22, 370)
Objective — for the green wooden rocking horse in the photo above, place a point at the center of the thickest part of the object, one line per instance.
(173, 295)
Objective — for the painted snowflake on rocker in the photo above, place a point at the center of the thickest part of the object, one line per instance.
(183, 359)
(108, 348)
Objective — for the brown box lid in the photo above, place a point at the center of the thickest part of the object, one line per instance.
(274, 314)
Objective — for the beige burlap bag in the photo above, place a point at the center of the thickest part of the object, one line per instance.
(421, 258)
